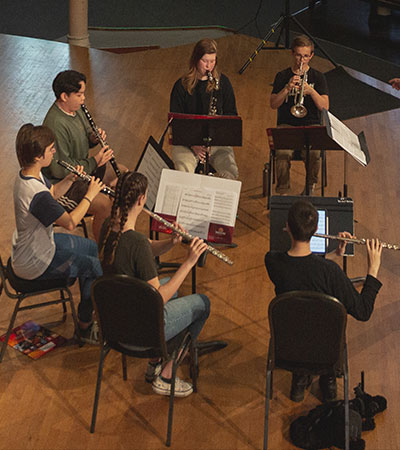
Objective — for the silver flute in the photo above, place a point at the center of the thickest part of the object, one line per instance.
(103, 143)
(356, 241)
(155, 216)
(106, 190)
(189, 237)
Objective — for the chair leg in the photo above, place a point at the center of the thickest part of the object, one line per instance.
(10, 327)
(194, 365)
(346, 402)
(171, 401)
(64, 306)
(103, 353)
(74, 316)
(124, 371)
(267, 400)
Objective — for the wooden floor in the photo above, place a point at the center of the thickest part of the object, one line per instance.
(47, 404)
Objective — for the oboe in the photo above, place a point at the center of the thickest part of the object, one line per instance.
(188, 236)
(106, 190)
(102, 142)
(155, 216)
(357, 241)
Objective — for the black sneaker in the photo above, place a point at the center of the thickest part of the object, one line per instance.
(152, 371)
(327, 384)
(90, 335)
(299, 384)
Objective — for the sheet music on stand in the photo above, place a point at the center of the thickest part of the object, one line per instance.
(151, 163)
(355, 145)
(205, 206)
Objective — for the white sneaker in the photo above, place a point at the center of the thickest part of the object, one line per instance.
(182, 388)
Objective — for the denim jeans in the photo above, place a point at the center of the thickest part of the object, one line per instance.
(190, 311)
(76, 257)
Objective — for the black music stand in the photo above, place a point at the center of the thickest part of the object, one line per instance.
(193, 129)
(283, 25)
(309, 137)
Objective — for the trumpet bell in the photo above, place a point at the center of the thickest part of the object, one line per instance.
(298, 111)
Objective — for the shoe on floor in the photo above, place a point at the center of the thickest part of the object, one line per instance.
(327, 384)
(152, 371)
(299, 384)
(91, 334)
(311, 189)
(162, 387)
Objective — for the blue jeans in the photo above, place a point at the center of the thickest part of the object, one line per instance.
(76, 257)
(190, 311)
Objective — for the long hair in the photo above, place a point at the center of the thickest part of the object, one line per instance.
(130, 186)
(191, 77)
(31, 143)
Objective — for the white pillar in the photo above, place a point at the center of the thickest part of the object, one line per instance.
(78, 23)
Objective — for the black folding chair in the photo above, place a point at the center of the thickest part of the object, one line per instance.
(308, 336)
(131, 312)
(30, 288)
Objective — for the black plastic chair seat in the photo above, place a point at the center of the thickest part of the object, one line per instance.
(34, 286)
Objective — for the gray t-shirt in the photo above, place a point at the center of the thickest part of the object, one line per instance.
(36, 210)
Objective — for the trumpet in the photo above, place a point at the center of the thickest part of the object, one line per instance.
(356, 241)
(102, 142)
(107, 190)
(298, 109)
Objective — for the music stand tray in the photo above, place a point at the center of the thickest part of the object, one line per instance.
(194, 129)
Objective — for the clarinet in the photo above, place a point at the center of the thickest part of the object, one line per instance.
(155, 216)
(103, 143)
(84, 176)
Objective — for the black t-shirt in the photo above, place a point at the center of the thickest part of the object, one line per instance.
(198, 103)
(133, 255)
(314, 273)
(313, 117)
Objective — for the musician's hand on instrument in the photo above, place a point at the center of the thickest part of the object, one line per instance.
(200, 151)
(177, 238)
(94, 139)
(374, 251)
(308, 89)
(74, 176)
(95, 186)
(294, 82)
(395, 82)
(341, 248)
(104, 155)
(197, 247)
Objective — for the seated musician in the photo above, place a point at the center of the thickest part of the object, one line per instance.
(124, 250)
(286, 85)
(37, 252)
(73, 138)
(195, 93)
(299, 269)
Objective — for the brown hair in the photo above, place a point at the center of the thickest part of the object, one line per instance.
(130, 186)
(302, 41)
(203, 47)
(302, 220)
(31, 143)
